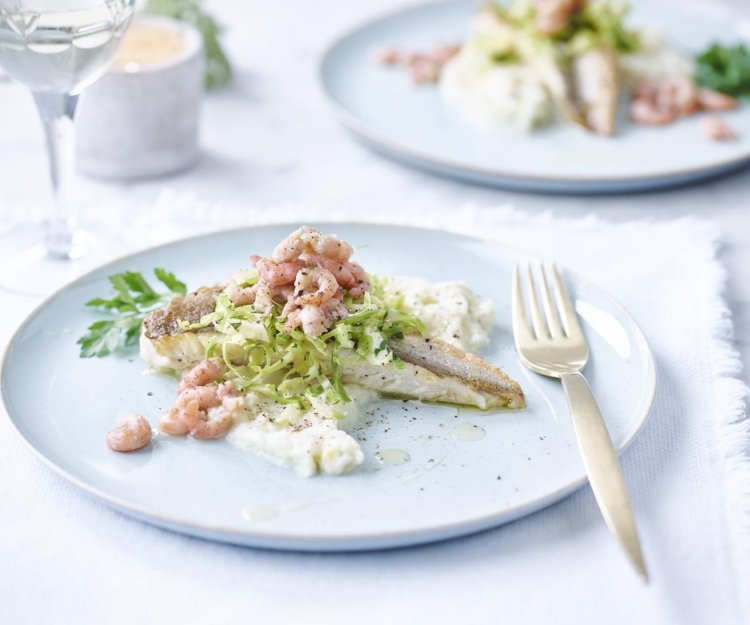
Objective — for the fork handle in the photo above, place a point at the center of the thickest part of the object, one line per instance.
(603, 469)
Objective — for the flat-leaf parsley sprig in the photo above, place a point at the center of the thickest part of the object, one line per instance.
(134, 298)
(725, 69)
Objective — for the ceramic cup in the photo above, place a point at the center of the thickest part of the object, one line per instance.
(141, 119)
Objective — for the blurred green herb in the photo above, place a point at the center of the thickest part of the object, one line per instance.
(218, 68)
(132, 300)
(725, 69)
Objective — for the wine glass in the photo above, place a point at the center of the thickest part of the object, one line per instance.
(56, 48)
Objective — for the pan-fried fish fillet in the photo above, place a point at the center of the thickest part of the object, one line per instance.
(596, 89)
(418, 382)
(164, 345)
(451, 363)
(433, 369)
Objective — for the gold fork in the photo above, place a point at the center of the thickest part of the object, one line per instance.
(554, 345)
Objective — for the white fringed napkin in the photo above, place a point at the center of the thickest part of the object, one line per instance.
(65, 558)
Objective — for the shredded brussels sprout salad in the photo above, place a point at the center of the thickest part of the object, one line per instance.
(292, 367)
(593, 25)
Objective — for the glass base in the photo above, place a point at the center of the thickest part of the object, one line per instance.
(31, 265)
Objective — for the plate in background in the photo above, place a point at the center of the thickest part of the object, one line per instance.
(413, 125)
(526, 460)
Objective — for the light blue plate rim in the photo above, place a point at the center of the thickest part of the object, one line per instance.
(491, 177)
(257, 537)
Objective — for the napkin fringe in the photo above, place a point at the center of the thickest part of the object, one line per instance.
(730, 399)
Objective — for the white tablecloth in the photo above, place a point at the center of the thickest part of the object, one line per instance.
(66, 558)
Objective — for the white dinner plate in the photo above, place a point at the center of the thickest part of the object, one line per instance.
(63, 406)
(413, 125)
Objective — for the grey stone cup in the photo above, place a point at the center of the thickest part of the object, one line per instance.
(144, 124)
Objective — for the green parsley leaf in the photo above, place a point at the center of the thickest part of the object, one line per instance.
(168, 280)
(134, 298)
(725, 69)
(96, 342)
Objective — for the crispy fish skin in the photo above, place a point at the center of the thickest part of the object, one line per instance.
(164, 345)
(596, 89)
(183, 308)
(450, 362)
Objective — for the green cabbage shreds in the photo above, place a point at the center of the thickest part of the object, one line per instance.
(600, 23)
(593, 25)
(291, 367)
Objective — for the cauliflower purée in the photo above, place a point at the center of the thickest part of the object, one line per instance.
(450, 310)
(315, 440)
(491, 96)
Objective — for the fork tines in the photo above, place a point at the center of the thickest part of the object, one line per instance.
(559, 319)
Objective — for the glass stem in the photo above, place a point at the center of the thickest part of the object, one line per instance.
(56, 111)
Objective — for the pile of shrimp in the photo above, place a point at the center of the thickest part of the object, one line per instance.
(206, 409)
(662, 103)
(307, 275)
